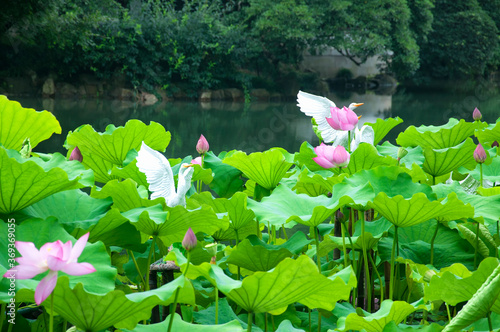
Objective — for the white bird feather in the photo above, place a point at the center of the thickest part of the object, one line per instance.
(161, 178)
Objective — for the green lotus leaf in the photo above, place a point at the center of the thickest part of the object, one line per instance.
(206, 317)
(131, 171)
(180, 325)
(80, 210)
(91, 312)
(101, 151)
(417, 209)
(415, 155)
(171, 226)
(286, 326)
(27, 181)
(305, 158)
(484, 238)
(226, 179)
(437, 137)
(490, 134)
(488, 191)
(255, 255)
(374, 231)
(367, 157)
(382, 126)
(291, 281)
(389, 311)
(454, 285)
(393, 327)
(491, 171)
(486, 208)
(442, 161)
(285, 206)
(266, 168)
(42, 231)
(125, 195)
(18, 123)
(316, 184)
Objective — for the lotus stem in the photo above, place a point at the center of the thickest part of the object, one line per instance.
(433, 180)
(151, 250)
(131, 254)
(316, 238)
(309, 310)
(344, 246)
(490, 325)
(284, 231)
(349, 141)
(216, 305)
(393, 253)
(265, 322)
(51, 317)
(172, 312)
(319, 321)
(379, 278)
(3, 311)
(432, 242)
(481, 172)
(498, 235)
(237, 242)
(249, 327)
(352, 247)
(367, 267)
(477, 246)
(448, 311)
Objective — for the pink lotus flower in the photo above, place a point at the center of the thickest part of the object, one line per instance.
(202, 145)
(342, 118)
(189, 241)
(476, 114)
(53, 256)
(479, 154)
(196, 161)
(76, 154)
(330, 156)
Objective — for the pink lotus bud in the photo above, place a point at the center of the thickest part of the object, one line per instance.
(202, 145)
(76, 154)
(479, 154)
(189, 241)
(476, 115)
(342, 118)
(329, 156)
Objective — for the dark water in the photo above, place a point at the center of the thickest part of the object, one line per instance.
(259, 126)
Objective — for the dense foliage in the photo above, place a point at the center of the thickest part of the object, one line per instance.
(225, 43)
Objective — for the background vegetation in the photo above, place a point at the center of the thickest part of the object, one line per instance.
(227, 43)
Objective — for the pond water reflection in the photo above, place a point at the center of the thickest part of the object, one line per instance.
(259, 126)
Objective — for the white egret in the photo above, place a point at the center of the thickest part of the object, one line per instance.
(319, 108)
(160, 177)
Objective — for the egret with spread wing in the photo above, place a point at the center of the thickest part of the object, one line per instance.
(160, 177)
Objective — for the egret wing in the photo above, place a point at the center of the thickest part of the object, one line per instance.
(158, 172)
(363, 135)
(319, 108)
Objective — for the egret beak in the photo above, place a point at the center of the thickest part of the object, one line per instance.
(359, 117)
(357, 105)
(187, 165)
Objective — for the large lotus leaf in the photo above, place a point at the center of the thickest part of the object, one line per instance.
(382, 126)
(266, 168)
(415, 155)
(486, 208)
(417, 209)
(125, 195)
(389, 311)
(101, 151)
(91, 312)
(27, 181)
(291, 281)
(206, 317)
(226, 178)
(454, 288)
(393, 327)
(367, 157)
(479, 305)
(491, 171)
(374, 231)
(255, 255)
(18, 123)
(489, 191)
(42, 231)
(490, 134)
(305, 157)
(415, 244)
(284, 205)
(442, 161)
(131, 171)
(171, 226)
(80, 210)
(180, 325)
(315, 184)
(437, 137)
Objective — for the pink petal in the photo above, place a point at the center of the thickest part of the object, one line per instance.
(51, 249)
(323, 162)
(28, 251)
(78, 269)
(78, 248)
(55, 263)
(24, 271)
(66, 251)
(45, 287)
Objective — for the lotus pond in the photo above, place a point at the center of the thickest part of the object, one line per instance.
(389, 238)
